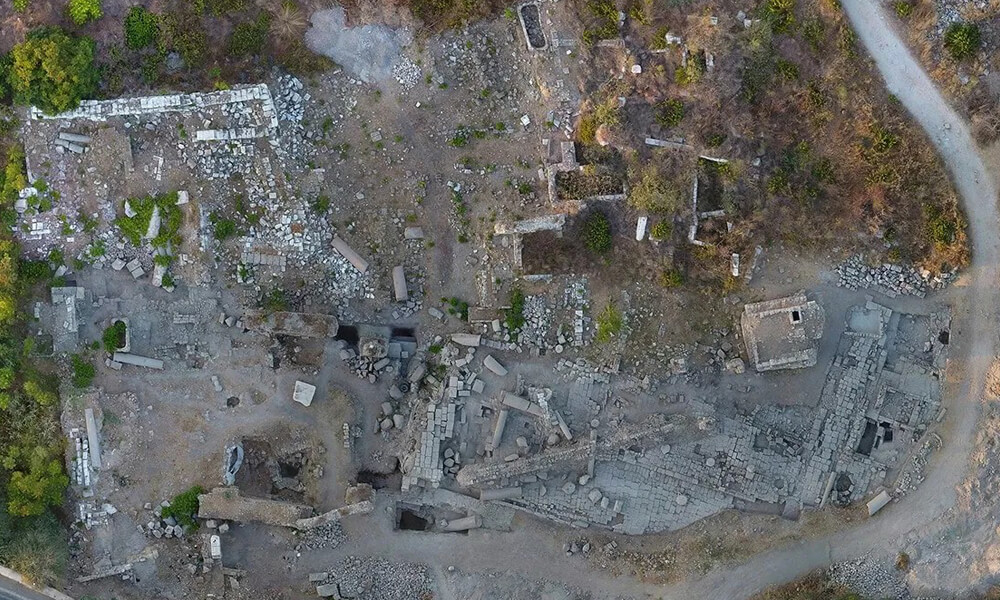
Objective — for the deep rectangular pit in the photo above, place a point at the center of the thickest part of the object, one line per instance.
(531, 22)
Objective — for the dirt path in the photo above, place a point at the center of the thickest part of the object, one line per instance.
(922, 512)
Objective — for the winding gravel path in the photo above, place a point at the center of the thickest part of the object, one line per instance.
(975, 336)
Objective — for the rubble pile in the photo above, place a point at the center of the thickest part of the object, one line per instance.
(892, 280)
(324, 537)
(870, 578)
(372, 578)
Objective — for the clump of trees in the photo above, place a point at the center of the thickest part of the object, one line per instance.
(53, 70)
(84, 11)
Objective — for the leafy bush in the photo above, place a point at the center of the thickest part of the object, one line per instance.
(693, 70)
(671, 278)
(780, 14)
(597, 233)
(41, 392)
(113, 338)
(941, 227)
(514, 316)
(654, 193)
(321, 204)
(249, 38)
(962, 40)
(222, 228)
(84, 11)
(275, 301)
(41, 485)
(53, 70)
(21, 5)
(788, 70)
(184, 31)
(83, 372)
(184, 507)
(609, 323)
(670, 113)
(14, 177)
(135, 228)
(662, 230)
(141, 27)
(903, 8)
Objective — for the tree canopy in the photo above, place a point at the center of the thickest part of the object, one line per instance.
(53, 70)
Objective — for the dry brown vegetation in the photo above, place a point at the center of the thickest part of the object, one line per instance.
(821, 156)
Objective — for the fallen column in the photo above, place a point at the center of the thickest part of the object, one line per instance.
(358, 508)
(347, 252)
(564, 427)
(399, 284)
(464, 524)
(139, 361)
(506, 493)
(92, 437)
(466, 339)
(498, 430)
(74, 137)
(522, 404)
(494, 365)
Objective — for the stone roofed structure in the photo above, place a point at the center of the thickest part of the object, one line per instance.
(783, 333)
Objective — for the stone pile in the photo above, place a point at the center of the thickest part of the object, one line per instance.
(407, 73)
(892, 280)
(324, 537)
(373, 578)
(572, 370)
(870, 577)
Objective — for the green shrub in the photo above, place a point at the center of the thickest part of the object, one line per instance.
(84, 11)
(184, 507)
(114, 337)
(222, 229)
(185, 32)
(14, 177)
(597, 233)
(693, 70)
(249, 38)
(514, 316)
(941, 227)
(780, 14)
(655, 194)
(962, 40)
(141, 27)
(83, 372)
(135, 228)
(21, 5)
(38, 486)
(670, 113)
(40, 391)
(609, 323)
(812, 32)
(275, 301)
(321, 204)
(671, 278)
(788, 70)
(903, 8)
(662, 230)
(53, 70)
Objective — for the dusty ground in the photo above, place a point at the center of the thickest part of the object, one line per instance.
(440, 143)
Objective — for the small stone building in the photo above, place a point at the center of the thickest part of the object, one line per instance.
(783, 333)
